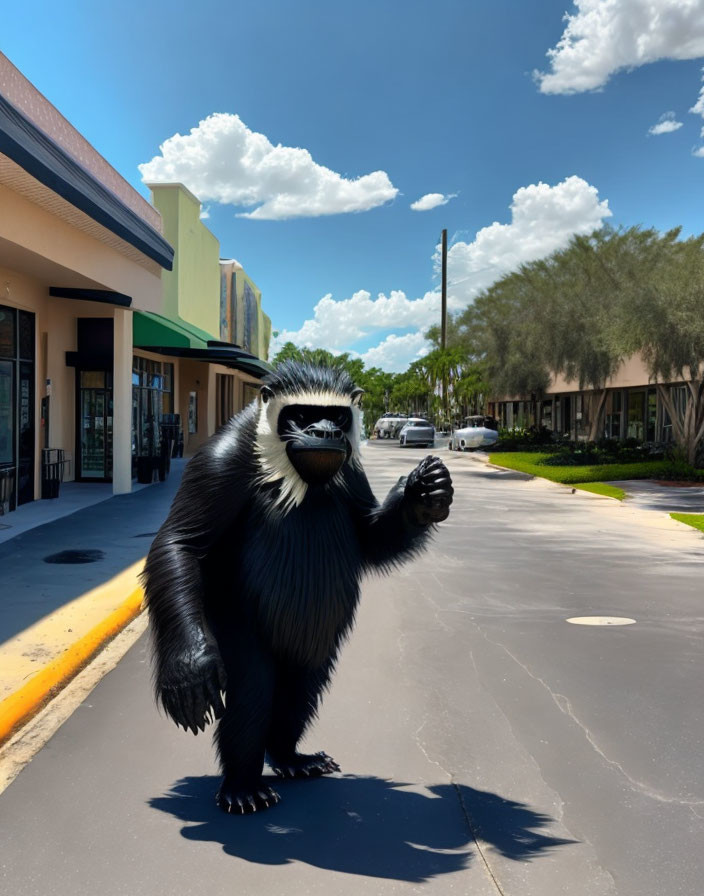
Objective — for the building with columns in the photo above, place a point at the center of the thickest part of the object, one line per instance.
(80, 252)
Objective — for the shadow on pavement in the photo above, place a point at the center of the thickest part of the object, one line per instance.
(363, 825)
(495, 473)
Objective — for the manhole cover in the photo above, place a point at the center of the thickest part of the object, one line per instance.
(601, 620)
(75, 557)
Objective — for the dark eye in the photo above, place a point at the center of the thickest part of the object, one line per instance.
(342, 418)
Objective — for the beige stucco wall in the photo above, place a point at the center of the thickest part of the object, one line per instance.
(201, 377)
(56, 333)
(632, 372)
(37, 243)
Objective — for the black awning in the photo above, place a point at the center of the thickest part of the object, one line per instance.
(235, 358)
(91, 295)
(27, 145)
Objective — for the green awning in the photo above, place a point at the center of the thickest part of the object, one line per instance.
(157, 334)
(153, 329)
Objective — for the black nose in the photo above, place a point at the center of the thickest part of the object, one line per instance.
(324, 429)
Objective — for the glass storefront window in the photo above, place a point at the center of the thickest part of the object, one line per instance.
(25, 322)
(152, 397)
(17, 373)
(652, 415)
(7, 333)
(636, 415)
(92, 379)
(7, 430)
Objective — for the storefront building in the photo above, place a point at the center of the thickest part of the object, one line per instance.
(242, 320)
(80, 252)
(182, 364)
(629, 407)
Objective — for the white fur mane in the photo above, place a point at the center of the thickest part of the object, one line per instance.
(274, 462)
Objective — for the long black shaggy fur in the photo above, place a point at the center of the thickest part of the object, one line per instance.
(254, 600)
(294, 378)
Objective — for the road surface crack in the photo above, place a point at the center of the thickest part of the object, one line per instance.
(565, 707)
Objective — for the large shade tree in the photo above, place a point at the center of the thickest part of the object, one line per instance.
(663, 318)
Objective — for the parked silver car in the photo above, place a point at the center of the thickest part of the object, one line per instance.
(389, 425)
(417, 432)
(478, 432)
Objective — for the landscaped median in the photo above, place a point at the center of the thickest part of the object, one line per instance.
(592, 478)
(695, 520)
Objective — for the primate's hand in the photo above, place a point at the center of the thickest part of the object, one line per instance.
(428, 492)
(190, 681)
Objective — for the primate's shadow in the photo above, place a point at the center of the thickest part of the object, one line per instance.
(365, 826)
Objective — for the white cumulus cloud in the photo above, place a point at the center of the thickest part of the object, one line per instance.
(338, 324)
(543, 219)
(431, 200)
(699, 152)
(222, 160)
(604, 36)
(395, 353)
(698, 107)
(666, 124)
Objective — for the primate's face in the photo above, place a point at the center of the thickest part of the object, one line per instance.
(306, 439)
(295, 418)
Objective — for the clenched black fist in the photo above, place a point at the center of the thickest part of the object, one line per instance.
(428, 493)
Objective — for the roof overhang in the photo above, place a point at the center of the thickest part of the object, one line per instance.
(105, 296)
(234, 359)
(41, 157)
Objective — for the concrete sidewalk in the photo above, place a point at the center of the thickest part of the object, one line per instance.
(54, 616)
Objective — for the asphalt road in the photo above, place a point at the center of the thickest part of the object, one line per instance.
(487, 746)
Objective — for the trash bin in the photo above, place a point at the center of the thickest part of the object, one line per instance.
(7, 488)
(169, 428)
(53, 465)
(145, 469)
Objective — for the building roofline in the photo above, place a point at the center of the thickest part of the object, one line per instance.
(153, 185)
(45, 160)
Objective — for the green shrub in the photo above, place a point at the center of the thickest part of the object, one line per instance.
(527, 439)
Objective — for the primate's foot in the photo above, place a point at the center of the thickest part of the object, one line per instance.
(239, 801)
(304, 765)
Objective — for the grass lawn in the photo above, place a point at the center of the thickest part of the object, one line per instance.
(602, 488)
(696, 520)
(530, 462)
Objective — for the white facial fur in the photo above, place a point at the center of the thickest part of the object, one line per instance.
(271, 450)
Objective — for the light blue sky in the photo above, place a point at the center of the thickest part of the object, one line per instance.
(439, 96)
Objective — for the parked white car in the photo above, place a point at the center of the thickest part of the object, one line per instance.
(389, 425)
(417, 432)
(474, 434)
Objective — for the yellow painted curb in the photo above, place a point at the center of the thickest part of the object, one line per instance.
(29, 699)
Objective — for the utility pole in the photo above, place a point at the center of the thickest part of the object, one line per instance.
(443, 338)
(443, 323)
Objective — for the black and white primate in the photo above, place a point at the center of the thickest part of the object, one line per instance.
(253, 579)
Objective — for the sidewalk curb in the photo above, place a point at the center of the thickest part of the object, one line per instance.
(20, 706)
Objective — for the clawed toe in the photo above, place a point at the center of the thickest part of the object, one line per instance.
(240, 802)
(303, 766)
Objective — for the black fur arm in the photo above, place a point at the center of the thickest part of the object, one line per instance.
(189, 673)
(402, 525)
